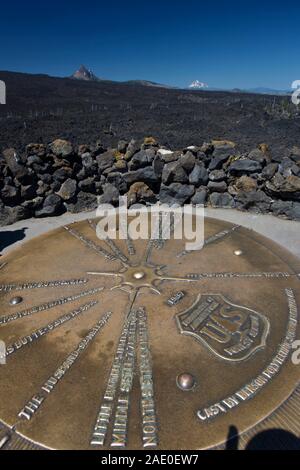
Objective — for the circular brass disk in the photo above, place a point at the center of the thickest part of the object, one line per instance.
(105, 328)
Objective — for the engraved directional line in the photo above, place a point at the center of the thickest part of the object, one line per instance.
(106, 410)
(231, 275)
(114, 248)
(42, 284)
(44, 330)
(162, 232)
(148, 411)
(46, 306)
(120, 422)
(212, 239)
(33, 405)
(130, 246)
(90, 244)
(115, 407)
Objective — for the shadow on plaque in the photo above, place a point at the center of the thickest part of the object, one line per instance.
(9, 237)
(272, 439)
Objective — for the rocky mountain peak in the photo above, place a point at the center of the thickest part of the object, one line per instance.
(84, 74)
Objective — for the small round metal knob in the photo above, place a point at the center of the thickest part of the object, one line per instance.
(186, 381)
(139, 275)
(16, 300)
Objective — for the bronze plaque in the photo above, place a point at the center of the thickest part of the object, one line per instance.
(121, 344)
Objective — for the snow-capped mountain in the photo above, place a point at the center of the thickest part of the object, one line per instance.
(197, 85)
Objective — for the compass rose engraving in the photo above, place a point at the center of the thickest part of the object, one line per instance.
(129, 358)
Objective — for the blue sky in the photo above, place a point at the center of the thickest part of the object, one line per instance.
(224, 43)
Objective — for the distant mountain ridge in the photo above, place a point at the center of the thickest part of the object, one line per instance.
(87, 75)
(267, 91)
(83, 73)
(147, 83)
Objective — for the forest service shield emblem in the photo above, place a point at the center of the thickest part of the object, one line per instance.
(232, 332)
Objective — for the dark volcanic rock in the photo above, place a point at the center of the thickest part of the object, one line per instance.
(121, 166)
(284, 188)
(295, 154)
(4, 215)
(168, 156)
(10, 215)
(282, 207)
(34, 160)
(61, 148)
(105, 160)
(217, 162)
(62, 174)
(270, 170)
(29, 191)
(140, 193)
(84, 202)
(45, 180)
(141, 159)
(199, 175)
(53, 200)
(288, 209)
(221, 200)
(258, 156)
(285, 166)
(295, 212)
(158, 165)
(10, 194)
(40, 169)
(147, 175)
(38, 150)
(254, 201)
(217, 175)
(122, 146)
(132, 148)
(246, 166)
(243, 184)
(68, 189)
(15, 164)
(174, 173)
(33, 204)
(176, 193)
(89, 164)
(188, 161)
(116, 179)
(220, 156)
(55, 186)
(42, 188)
(110, 195)
(200, 196)
(87, 185)
(60, 162)
(82, 149)
(217, 186)
(47, 211)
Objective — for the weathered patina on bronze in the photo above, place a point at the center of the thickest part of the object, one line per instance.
(143, 345)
